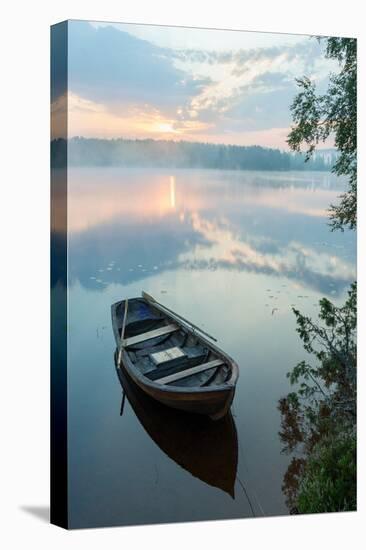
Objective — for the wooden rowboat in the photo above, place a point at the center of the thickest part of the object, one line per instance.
(169, 358)
(207, 450)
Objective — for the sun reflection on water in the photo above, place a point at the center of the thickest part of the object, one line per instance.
(172, 191)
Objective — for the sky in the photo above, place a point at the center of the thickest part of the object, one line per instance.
(176, 83)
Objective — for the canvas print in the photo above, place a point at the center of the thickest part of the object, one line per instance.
(203, 274)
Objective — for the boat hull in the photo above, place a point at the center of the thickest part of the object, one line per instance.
(210, 401)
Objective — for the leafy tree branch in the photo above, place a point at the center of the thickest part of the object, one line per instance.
(316, 117)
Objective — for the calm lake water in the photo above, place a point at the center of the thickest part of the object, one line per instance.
(231, 251)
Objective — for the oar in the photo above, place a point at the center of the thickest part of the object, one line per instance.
(151, 299)
(122, 334)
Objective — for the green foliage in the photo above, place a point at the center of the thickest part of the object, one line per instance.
(318, 419)
(329, 480)
(316, 117)
(333, 343)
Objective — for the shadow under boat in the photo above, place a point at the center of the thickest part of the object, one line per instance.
(207, 449)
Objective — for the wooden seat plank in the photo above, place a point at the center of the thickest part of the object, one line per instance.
(189, 372)
(172, 367)
(166, 329)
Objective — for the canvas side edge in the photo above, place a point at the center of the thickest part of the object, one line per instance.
(58, 252)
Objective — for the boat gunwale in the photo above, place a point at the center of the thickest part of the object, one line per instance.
(182, 390)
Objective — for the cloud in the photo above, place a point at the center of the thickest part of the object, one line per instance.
(304, 53)
(113, 67)
(89, 119)
(121, 85)
(246, 75)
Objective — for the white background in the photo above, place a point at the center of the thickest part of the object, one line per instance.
(24, 305)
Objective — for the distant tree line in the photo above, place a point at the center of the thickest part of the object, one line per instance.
(181, 154)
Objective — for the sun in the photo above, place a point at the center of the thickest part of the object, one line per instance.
(165, 128)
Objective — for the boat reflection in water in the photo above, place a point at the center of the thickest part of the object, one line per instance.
(205, 448)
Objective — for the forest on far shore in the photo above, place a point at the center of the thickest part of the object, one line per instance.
(182, 154)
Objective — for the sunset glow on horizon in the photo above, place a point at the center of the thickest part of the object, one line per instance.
(230, 87)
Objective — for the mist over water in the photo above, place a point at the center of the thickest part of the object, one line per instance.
(233, 252)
